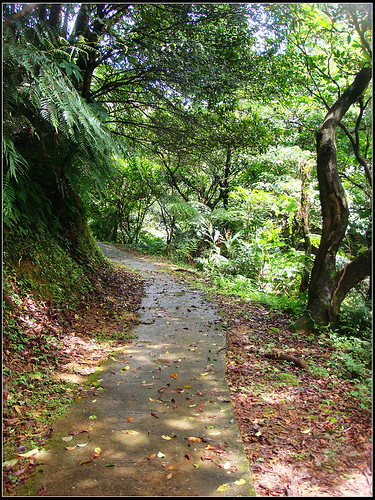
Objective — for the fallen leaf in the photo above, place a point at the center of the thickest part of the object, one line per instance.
(154, 414)
(153, 455)
(92, 417)
(67, 438)
(28, 454)
(70, 448)
(169, 476)
(196, 466)
(97, 452)
(161, 454)
(173, 375)
(85, 461)
(130, 431)
(240, 481)
(166, 437)
(125, 368)
(223, 487)
(194, 439)
(81, 445)
(110, 464)
(129, 419)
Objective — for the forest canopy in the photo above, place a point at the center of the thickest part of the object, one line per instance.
(234, 137)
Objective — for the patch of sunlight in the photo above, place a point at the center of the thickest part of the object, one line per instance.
(179, 424)
(72, 377)
(131, 438)
(276, 397)
(86, 483)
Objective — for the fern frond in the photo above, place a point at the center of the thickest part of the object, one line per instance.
(14, 163)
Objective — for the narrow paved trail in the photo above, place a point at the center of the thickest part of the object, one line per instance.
(165, 387)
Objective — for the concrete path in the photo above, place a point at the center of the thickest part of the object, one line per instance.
(164, 421)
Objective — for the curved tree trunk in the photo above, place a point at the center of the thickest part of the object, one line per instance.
(324, 298)
(354, 272)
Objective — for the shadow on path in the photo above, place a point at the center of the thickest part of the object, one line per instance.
(164, 388)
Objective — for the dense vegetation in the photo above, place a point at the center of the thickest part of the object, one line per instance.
(232, 137)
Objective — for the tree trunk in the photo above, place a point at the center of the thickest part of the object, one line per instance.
(55, 15)
(88, 63)
(324, 298)
(354, 272)
(305, 172)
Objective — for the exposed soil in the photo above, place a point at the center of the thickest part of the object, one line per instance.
(303, 435)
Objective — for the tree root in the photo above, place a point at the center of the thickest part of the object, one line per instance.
(287, 357)
(277, 355)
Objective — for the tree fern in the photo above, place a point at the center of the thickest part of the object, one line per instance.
(37, 87)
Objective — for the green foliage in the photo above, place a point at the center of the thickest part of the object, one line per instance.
(119, 209)
(151, 244)
(356, 317)
(45, 119)
(352, 358)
